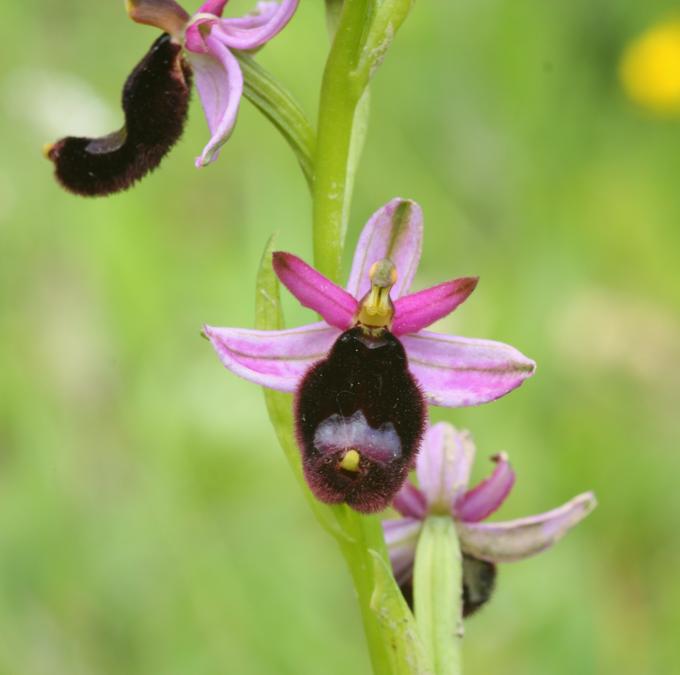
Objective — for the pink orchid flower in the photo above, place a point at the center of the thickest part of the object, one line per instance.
(362, 375)
(209, 40)
(451, 371)
(443, 470)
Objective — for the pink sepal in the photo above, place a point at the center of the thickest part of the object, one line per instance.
(394, 231)
(456, 371)
(277, 359)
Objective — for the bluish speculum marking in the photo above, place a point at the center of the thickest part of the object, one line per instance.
(340, 434)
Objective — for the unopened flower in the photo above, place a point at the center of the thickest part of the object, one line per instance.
(362, 376)
(650, 68)
(443, 470)
(156, 94)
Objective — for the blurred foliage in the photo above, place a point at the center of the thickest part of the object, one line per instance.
(148, 521)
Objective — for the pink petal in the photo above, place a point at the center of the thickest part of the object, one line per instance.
(456, 371)
(443, 465)
(524, 537)
(251, 32)
(215, 7)
(418, 310)
(485, 498)
(394, 231)
(164, 14)
(315, 291)
(401, 537)
(277, 359)
(410, 501)
(220, 85)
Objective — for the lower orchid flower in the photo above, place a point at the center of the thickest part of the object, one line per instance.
(363, 375)
(156, 94)
(443, 471)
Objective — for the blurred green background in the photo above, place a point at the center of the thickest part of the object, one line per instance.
(149, 523)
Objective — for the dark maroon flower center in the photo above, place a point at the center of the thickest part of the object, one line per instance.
(360, 417)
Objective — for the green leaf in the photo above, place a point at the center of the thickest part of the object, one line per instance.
(406, 651)
(269, 316)
(279, 106)
(386, 18)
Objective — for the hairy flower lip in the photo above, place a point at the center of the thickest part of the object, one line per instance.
(452, 371)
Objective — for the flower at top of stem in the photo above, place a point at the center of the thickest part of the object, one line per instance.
(363, 374)
(650, 68)
(156, 94)
(443, 470)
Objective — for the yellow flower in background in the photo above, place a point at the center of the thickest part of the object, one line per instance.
(650, 68)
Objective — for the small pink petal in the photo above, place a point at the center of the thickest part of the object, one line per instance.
(410, 501)
(456, 371)
(443, 465)
(401, 537)
(277, 359)
(220, 86)
(487, 496)
(414, 312)
(251, 32)
(394, 231)
(215, 7)
(314, 290)
(524, 537)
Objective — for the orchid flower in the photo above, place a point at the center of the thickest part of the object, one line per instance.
(156, 94)
(362, 375)
(443, 470)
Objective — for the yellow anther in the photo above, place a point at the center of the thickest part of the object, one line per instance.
(376, 309)
(351, 460)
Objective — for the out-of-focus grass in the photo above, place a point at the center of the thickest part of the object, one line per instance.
(148, 522)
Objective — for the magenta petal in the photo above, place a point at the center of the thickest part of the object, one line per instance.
(524, 537)
(215, 7)
(277, 359)
(253, 31)
(456, 371)
(414, 312)
(410, 501)
(401, 537)
(485, 498)
(443, 465)
(220, 85)
(315, 291)
(394, 231)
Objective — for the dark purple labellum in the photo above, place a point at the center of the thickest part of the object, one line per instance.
(479, 581)
(360, 417)
(155, 103)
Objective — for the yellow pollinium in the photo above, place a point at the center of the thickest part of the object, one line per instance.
(376, 309)
(351, 460)
(650, 69)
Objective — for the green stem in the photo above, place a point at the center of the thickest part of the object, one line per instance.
(279, 106)
(340, 129)
(341, 91)
(437, 588)
(365, 536)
